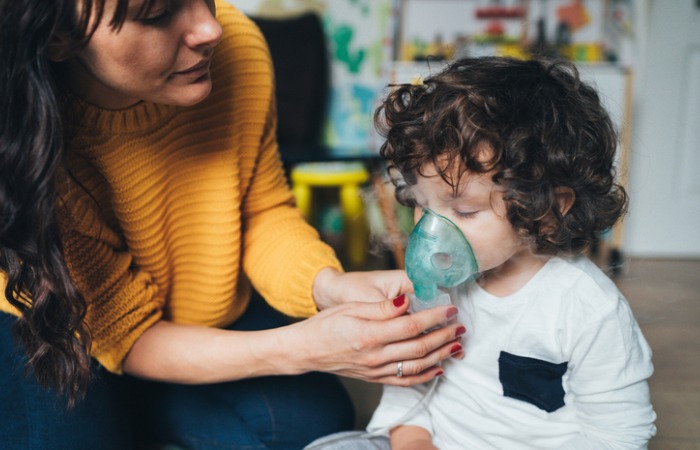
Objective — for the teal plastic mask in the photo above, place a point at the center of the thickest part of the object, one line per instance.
(437, 256)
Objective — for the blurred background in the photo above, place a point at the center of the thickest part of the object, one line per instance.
(334, 58)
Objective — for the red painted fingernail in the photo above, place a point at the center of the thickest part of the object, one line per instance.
(460, 331)
(455, 349)
(438, 373)
(400, 300)
(452, 312)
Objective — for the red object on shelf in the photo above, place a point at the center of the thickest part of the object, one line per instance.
(495, 28)
(500, 12)
(574, 14)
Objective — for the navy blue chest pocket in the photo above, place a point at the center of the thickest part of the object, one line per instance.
(532, 380)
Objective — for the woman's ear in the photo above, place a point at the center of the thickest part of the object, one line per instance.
(565, 198)
(59, 47)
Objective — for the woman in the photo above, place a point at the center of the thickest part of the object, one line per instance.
(142, 201)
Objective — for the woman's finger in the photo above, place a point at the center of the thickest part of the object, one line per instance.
(410, 380)
(406, 372)
(426, 344)
(367, 340)
(393, 282)
(376, 311)
(405, 337)
(406, 326)
(416, 366)
(409, 326)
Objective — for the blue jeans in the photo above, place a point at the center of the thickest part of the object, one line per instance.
(122, 412)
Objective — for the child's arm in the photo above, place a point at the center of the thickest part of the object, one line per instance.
(611, 365)
(410, 437)
(396, 403)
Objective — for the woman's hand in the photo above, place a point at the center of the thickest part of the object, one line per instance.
(367, 341)
(332, 288)
(364, 339)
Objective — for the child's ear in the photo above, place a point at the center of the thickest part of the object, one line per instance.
(565, 198)
(59, 47)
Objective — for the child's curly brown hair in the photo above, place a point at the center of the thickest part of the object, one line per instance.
(546, 128)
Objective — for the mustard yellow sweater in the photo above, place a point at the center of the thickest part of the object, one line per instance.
(172, 212)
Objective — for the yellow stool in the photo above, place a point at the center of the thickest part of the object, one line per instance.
(348, 176)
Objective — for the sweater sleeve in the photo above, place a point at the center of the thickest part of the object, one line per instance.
(103, 272)
(282, 252)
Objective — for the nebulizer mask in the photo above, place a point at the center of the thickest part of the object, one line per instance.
(438, 258)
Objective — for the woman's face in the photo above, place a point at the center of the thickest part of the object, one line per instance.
(163, 57)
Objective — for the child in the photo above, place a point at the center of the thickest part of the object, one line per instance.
(519, 155)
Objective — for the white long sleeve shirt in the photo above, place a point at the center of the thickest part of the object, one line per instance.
(561, 364)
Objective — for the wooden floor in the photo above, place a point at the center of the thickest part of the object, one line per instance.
(665, 297)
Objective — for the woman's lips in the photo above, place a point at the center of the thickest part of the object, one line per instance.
(197, 70)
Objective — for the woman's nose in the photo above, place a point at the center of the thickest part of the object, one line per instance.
(203, 28)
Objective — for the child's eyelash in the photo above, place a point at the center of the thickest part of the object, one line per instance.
(466, 215)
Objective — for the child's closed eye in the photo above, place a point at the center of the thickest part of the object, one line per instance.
(466, 214)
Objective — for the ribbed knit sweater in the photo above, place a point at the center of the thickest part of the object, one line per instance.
(171, 212)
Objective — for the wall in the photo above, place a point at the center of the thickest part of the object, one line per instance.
(664, 216)
(359, 43)
(664, 58)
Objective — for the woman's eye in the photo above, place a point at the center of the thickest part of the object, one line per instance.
(158, 12)
(157, 17)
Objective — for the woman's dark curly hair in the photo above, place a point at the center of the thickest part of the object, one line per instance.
(32, 136)
(546, 130)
